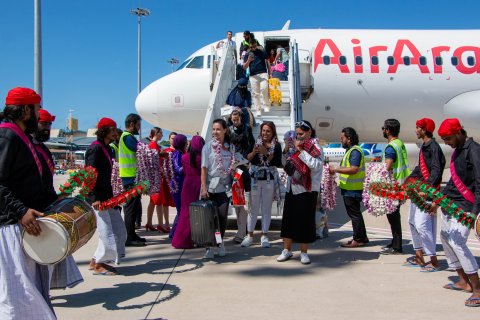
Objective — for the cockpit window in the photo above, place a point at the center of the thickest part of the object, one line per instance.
(196, 63)
(184, 63)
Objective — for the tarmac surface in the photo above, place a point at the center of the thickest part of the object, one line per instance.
(160, 282)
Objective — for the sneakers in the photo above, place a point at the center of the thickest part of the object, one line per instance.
(304, 259)
(247, 241)
(264, 242)
(208, 254)
(221, 250)
(266, 109)
(285, 255)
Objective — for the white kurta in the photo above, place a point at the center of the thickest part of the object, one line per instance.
(112, 236)
(24, 284)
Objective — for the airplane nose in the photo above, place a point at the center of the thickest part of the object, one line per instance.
(176, 102)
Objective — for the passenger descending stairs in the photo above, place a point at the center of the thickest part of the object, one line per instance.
(280, 115)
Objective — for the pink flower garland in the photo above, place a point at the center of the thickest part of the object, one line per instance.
(148, 167)
(377, 206)
(116, 181)
(168, 169)
(217, 149)
(328, 190)
(264, 158)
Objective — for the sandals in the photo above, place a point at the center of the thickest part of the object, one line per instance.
(429, 268)
(451, 286)
(475, 304)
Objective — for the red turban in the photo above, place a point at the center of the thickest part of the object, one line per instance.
(449, 127)
(45, 116)
(22, 96)
(426, 124)
(106, 122)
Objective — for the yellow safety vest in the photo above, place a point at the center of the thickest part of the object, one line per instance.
(115, 149)
(400, 166)
(127, 159)
(353, 181)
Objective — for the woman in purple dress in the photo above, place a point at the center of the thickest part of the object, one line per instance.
(176, 184)
(191, 163)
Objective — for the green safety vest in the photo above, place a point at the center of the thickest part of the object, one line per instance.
(400, 166)
(127, 159)
(115, 149)
(352, 181)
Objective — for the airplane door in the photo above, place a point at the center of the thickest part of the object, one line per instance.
(305, 61)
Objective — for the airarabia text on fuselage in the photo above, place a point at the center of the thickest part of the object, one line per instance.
(403, 48)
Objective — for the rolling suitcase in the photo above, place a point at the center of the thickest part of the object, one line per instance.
(203, 222)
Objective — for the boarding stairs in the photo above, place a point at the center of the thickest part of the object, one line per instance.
(284, 116)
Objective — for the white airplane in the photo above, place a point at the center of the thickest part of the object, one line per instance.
(355, 78)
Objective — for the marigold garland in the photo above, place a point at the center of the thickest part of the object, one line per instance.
(84, 179)
(450, 208)
(328, 189)
(136, 191)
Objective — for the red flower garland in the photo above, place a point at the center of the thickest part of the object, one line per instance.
(136, 191)
(84, 179)
(394, 191)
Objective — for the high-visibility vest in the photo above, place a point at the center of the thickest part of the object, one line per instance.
(115, 150)
(127, 159)
(353, 181)
(400, 168)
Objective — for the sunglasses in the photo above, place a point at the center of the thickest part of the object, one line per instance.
(303, 125)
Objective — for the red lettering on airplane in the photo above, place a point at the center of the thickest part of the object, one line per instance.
(403, 48)
(461, 65)
(357, 52)
(414, 57)
(335, 55)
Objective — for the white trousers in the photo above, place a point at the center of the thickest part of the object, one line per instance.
(241, 221)
(424, 230)
(112, 236)
(24, 284)
(454, 238)
(261, 200)
(259, 85)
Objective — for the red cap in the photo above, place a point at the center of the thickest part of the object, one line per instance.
(449, 127)
(45, 116)
(106, 122)
(22, 96)
(426, 124)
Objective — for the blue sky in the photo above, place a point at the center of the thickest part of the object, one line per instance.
(90, 47)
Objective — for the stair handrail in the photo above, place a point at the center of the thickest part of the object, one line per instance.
(221, 86)
(294, 85)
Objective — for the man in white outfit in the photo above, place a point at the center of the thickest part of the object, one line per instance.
(423, 225)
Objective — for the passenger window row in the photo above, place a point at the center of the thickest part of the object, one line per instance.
(391, 60)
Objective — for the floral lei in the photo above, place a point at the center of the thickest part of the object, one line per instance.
(393, 191)
(117, 185)
(84, 179)
(264, 158)
(217, 149)
(378, 205)
(328, 189)
(125, 196)
(415, 186)
(148, 167)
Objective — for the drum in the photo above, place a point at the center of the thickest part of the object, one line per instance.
(477, 227)
(68, 224)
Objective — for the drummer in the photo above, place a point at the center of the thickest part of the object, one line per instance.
(25, 284)
(110, 226)
(65, 273)
(464, 189)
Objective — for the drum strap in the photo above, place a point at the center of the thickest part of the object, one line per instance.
(105, 151)
(45, 156)
(19, 132)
